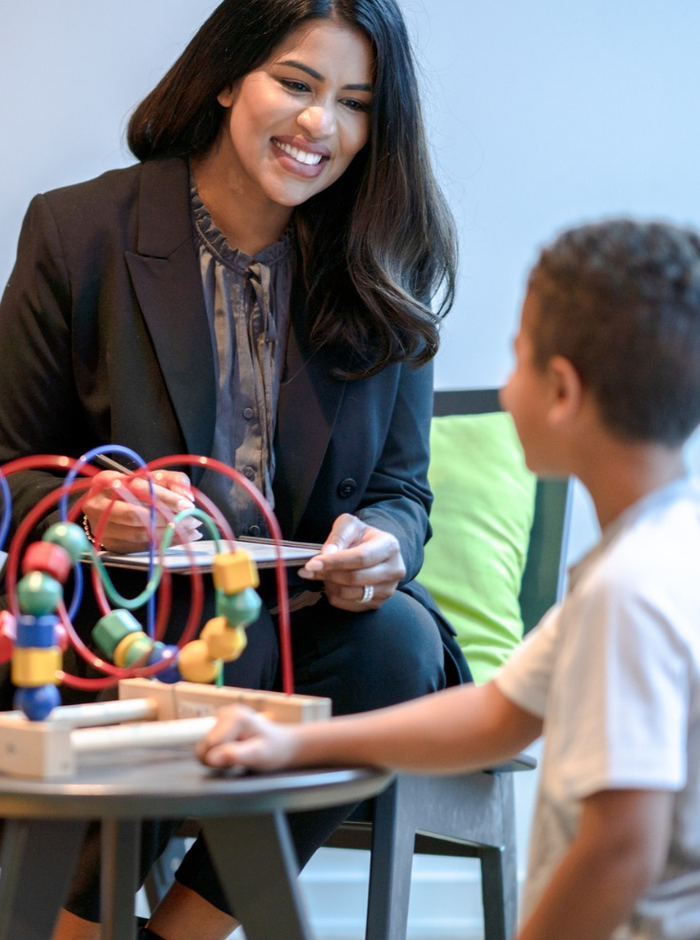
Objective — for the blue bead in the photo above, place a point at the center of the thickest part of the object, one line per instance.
(37, 703)
(171, 673)
(37, 632)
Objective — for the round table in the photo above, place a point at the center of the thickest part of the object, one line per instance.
(45, 823)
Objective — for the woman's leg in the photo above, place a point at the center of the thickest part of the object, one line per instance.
(360, 661)
(256, 669)
(185, 915)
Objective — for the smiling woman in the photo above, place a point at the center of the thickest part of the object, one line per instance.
(264, 287)
(292, 128)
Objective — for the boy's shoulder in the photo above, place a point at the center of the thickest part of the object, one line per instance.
(650, 555)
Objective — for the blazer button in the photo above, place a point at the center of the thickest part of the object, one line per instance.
(347, 488)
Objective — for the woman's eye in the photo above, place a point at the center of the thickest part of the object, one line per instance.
(354, 105)
(293, 85)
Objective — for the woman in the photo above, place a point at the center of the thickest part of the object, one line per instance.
(256, 288)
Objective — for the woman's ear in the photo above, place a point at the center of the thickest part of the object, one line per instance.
(227, 96)
(566, 391)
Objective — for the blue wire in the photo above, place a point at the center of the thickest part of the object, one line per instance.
(63, 510)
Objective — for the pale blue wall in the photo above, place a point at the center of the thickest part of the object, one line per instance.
(541, 114)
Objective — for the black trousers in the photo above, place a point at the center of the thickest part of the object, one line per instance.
(361, 661)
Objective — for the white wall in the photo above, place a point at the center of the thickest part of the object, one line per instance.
(541, 115)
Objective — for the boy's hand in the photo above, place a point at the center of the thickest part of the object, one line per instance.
(242, 737)
(127, 526)
(356, 556)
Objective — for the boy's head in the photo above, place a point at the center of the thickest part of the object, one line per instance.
(620, 300)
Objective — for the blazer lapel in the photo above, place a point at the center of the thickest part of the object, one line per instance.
(308, 406)
(166, 278)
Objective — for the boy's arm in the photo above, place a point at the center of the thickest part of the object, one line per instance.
(458, 729)
(619, 850)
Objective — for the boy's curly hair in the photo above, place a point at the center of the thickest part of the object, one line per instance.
(621, 300)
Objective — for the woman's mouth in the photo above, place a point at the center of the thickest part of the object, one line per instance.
(310, 161)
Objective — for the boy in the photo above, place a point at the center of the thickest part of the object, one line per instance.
(606, 386)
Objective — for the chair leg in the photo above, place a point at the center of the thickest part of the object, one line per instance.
(390, 869)
(499, 920)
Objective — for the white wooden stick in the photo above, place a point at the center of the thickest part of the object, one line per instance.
(147, 734)
(105, 713)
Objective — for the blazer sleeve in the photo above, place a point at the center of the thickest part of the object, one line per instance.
(39, 411)
(397, 498)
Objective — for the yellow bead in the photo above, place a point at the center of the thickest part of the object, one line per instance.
(121, 657)
(224, 642)
(195, 663)
(32, 666)
(235, 571)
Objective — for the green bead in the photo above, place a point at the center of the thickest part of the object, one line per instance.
(38, 593)
(239, 609)
(69, 536)
(139, 649)
(111, 629)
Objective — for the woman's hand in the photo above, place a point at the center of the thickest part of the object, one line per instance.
(242, 737)
(128, 521)
(357, 560)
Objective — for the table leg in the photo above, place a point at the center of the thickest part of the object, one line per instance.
(257, 866)
(33, 886)
(121, 841)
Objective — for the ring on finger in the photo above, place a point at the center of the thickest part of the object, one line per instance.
(367, 594)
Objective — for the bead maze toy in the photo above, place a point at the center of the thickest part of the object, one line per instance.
(166, 694)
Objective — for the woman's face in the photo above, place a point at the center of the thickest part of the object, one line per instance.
(295, 124)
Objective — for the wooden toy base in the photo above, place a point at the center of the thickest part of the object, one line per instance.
(148, 713)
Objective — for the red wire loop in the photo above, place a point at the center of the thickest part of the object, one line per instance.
(80, 486)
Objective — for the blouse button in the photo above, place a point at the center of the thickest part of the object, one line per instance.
(248, 413)
(254, 530)
(249, 473)
(347, 488)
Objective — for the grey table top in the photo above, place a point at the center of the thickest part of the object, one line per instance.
(170, 782)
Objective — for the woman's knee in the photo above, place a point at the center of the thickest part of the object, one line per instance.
(369, 660)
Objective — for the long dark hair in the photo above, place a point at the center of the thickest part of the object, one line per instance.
(377, 249)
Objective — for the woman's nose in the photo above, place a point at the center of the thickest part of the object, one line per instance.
(318, 120)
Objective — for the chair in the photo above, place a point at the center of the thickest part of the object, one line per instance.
(468, 815)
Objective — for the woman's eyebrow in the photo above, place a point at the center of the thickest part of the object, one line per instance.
(360, 86)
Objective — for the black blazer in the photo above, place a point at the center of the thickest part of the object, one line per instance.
(104, 339)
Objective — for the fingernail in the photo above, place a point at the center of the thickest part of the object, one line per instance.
(314, 564)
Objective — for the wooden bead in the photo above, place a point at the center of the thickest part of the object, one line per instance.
(69, 536)
(32, 667)
(38, 593)
(223, 641)
(38, 702)
(48, 557)
(240, 609)
(111, 629)
(234, 571)
(195, 663)
(124, 653)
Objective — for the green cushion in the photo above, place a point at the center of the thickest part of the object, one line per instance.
(481, 517)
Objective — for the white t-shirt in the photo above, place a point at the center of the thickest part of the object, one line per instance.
(615, 673)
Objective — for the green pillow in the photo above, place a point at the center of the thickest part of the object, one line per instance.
(484, 499)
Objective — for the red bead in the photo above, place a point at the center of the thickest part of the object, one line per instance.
(48, 557)
(8, 633)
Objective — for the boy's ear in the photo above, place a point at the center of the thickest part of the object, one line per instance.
(566, 391)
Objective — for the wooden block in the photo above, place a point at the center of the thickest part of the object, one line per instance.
(163, 693)
(38, 749)
(195, 699)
